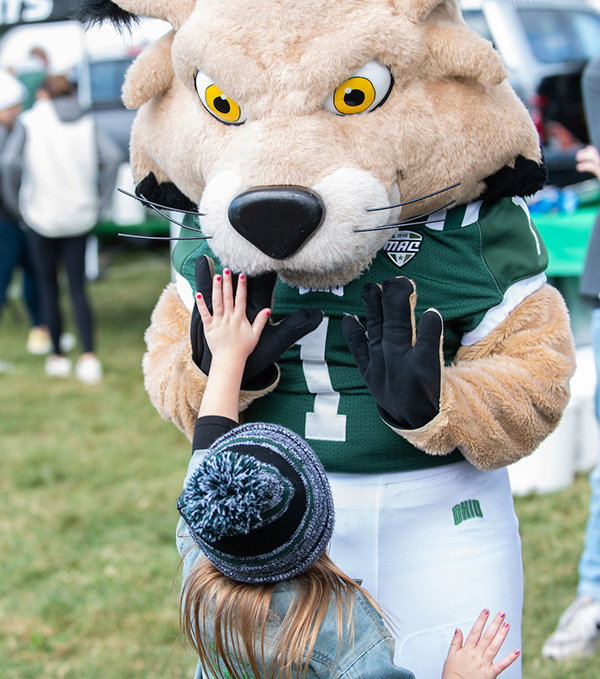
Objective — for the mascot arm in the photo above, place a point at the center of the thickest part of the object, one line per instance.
(506, 393)
(173, 382)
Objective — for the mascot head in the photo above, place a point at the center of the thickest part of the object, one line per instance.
(305, 131)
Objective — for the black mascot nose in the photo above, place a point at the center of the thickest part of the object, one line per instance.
(278, 220)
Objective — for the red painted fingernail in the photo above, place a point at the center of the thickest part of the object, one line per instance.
(242, 275)
(517, 652)
(199, 295)
(485, 611)
(268, 313)
(505, 624)
(455, 632)
(502, 614)
(218, 278)
(226, 272)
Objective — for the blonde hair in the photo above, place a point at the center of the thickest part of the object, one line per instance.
(240, 613)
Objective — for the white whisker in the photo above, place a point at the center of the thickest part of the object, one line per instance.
(414, 200)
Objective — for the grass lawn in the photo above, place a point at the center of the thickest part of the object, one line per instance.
(90, 475)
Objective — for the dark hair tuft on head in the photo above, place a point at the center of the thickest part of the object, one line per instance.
(93, 12)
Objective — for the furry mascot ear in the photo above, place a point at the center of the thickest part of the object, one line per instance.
(470, 57)
(150, 75)
(125, 12)
(474, 58)
(97, 11)
(419, 10)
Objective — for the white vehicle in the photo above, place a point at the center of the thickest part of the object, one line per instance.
(545, 46)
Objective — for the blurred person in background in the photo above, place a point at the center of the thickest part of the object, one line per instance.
(31, 72)
(60, 170)
(578, 630)
(14, 250)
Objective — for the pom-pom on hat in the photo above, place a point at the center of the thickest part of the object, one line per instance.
(259, 505)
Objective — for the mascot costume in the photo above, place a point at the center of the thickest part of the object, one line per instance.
(366, 162)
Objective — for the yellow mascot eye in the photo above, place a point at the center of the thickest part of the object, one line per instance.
(367, 89)
(217, 103)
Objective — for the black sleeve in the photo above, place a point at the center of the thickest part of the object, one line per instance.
(208, 429)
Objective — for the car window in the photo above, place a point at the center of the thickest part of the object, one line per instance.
(587, 29)
(106, 80)
(557, 36)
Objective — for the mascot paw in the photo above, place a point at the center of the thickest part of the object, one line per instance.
(261, 370)
(401, 368)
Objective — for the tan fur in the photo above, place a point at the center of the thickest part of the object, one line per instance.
(150, 74)
(450, 116)
(506, 393)
(173, 382)
(462, 54)
(418, 10)
(173, 11)
(508, 390)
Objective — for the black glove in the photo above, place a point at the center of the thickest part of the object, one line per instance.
(403, 373)
(276, 338)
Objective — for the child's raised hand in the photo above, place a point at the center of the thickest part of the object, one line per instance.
(228, 331)
(475, 660)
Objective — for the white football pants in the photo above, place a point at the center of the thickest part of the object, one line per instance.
(434, 547)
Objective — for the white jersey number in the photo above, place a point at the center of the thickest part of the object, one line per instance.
(324, 423)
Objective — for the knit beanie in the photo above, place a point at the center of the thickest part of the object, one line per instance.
(259, 505)
(12, 90)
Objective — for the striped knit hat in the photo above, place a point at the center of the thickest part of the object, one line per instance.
(259, 505)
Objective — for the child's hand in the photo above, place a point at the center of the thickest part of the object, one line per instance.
(475, 660)
(228, 332)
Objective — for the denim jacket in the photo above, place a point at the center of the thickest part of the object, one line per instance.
(368, 654)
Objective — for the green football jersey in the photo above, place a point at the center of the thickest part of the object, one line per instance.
(472, 263)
